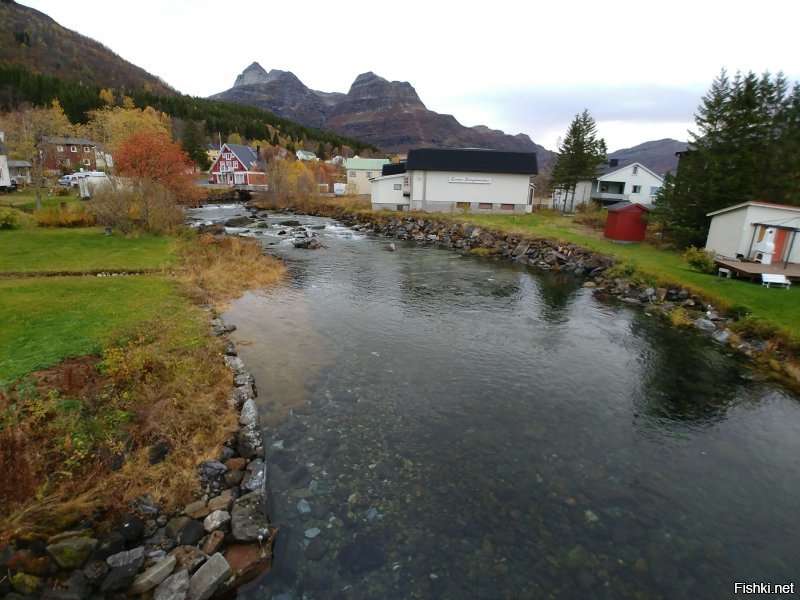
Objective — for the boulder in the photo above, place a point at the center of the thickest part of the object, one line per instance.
(173, 587)
(208, 578)
(255, 478)
(216, 520)
(153, 576)
(248, 518)
(250, 443)
(73, 552)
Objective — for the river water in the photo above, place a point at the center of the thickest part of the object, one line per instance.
(446, 426)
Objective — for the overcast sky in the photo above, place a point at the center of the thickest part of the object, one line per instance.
(639, 67)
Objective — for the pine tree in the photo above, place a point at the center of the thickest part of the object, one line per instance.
(745, 149)
(194, 145)
(580, 154)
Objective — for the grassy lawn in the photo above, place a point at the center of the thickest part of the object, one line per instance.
(26, 199)
(776, 306)
(46, 319)
(37, 249)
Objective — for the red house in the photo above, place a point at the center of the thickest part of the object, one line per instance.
(236, 165)
(625, 222)
(67, 154)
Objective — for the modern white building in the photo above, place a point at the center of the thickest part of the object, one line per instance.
(360, 172)
(631, 183)
(458, 180)
(745, 230)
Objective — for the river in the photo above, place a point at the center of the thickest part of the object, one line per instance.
(448, 426)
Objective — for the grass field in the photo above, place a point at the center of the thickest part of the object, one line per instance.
(46, 319)
(38, 250)
(26, 199)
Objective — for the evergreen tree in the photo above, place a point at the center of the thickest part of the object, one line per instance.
(580, 154)
(745, 149)
(193, 144)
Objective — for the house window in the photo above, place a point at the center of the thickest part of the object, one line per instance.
(654, 190)
(635, 169)
(60, 148)
(405, 181)
(351, 174)
(87, 162)
(401, 207)
(506, 207)
(637, 189)
(86, 148)
(73, 148)
(369, 174)
(397, 186)
(485, 205)
(236, 164)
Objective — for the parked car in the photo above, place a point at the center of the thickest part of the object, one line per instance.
(72, 180)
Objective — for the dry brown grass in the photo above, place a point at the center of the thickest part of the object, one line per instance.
(217, 269)
(70, 216)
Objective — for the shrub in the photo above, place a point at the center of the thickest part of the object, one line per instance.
(591, 216)
(72, 216)
(8, 219)
(699, 259)
(140, 206)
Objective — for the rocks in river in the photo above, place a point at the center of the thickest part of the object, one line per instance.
(362, 555)
(239, 222)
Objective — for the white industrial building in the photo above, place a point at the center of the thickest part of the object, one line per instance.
(457, 180)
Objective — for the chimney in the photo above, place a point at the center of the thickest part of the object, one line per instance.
(613, 162)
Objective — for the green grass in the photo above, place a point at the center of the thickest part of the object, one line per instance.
(40, 250)
(46, 319)
(26, 200)
(776, 306)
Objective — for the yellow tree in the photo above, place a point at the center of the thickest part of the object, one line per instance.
(25, 126)
(111, 125)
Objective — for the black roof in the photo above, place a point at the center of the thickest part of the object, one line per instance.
(393, 169)
(471, 160)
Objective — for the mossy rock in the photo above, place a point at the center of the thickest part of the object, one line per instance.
(72, 553)
(26, 584)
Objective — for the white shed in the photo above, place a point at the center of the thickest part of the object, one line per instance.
(738, 231)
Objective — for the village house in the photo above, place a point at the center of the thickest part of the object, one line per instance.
(20, 171)
(60, 154)
(453, 180)
(613, 183)
(360, 171)
(237, 165)
(306, 155)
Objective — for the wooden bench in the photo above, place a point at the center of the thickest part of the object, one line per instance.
(768, 280)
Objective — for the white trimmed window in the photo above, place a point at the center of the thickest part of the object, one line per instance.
(73, 148)
(637, 189)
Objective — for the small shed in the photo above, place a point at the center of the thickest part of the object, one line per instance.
(625, 222)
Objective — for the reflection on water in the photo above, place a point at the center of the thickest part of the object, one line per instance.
(468, 429)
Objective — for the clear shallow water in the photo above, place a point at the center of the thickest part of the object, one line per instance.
(462, 428)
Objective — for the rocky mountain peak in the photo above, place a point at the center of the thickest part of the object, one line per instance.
(372, 93)
(254, 73)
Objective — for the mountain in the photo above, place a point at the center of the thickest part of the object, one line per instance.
(388, 114)
(658, 156)
(31, 39)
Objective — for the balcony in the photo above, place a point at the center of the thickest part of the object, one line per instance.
(608, 197)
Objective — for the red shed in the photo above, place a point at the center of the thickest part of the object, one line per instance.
(625, 222)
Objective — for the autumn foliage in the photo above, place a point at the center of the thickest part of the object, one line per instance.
(154, 157)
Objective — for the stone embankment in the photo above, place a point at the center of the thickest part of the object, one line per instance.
(207, 548)
(681, 305)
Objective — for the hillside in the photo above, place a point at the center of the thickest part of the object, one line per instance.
(388, 114)
(31, 39)
(658, 156)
